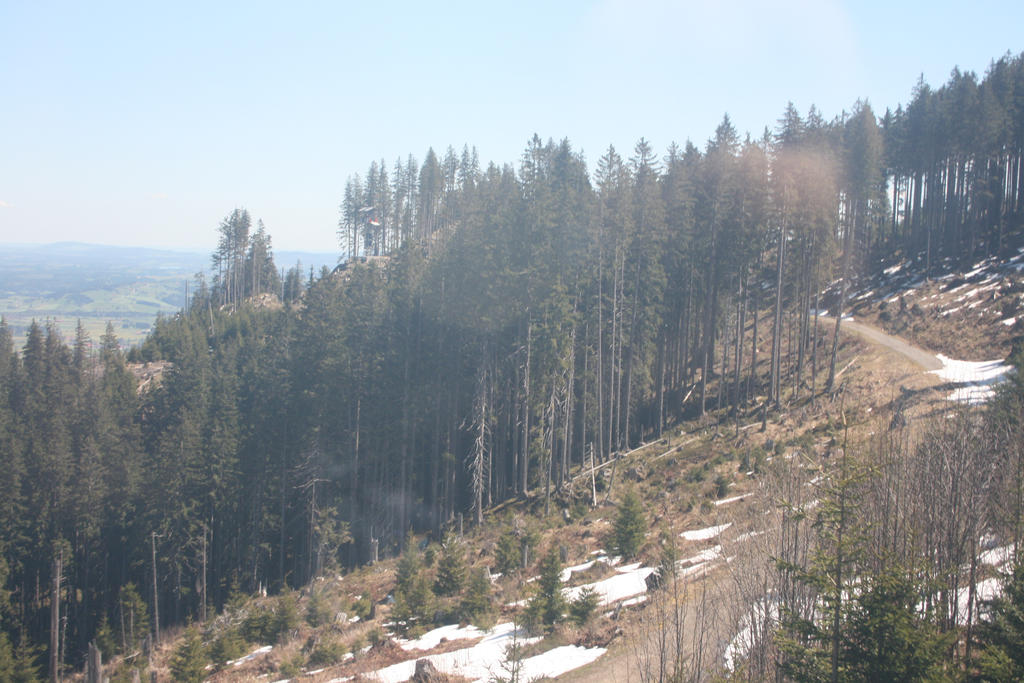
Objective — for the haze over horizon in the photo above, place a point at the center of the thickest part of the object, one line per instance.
(145, 126)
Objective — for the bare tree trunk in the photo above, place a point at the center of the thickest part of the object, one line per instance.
(94, 665)
(202, 581)
(569, 403)
(549, 420)
(478, 460)
(58, 569)
(600, 358)
(773, 395)
(741, 314)
(524, 473)
(156, 599)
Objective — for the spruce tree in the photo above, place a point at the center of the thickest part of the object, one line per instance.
(451, 568)
(630, 526)
(507, 556)
(476, 605)
(548, 603)
(413, 596)
(1001, 632)
(188, 663)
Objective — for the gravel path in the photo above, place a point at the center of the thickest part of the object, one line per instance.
(926, 360)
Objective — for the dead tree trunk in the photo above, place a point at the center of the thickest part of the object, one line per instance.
(58, 569)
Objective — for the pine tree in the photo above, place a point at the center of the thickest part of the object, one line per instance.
(507, 557)
(133, 617)
(413, 596)
(188, 663)
(884, 636)
(582, 608)
(451, 568)
(547, 605)
(7, 666)
(630, 526)
(1001, 632)
(476, 605)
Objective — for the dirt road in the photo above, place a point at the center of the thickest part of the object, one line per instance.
(926, 360)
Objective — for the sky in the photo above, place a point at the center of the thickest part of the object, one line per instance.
(145, 124)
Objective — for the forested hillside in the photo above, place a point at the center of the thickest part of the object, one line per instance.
(492, 329)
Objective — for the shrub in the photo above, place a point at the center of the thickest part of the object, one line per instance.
(327, 652)
(292, 667)
(721, 486)
(362, 607)
(318, 612)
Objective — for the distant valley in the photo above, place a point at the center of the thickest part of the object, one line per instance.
(66, 282)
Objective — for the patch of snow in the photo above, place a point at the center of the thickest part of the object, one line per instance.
(431, 639)
(762, 616)
(997, 557)
(726, 501)
(983, 590)
(568, 571)
(747, 536)
(892, 270)
(628, 582)
(977, 379)
(483, 661)
(252, 655)
(684, 572)
(706, 534)
(706, 555)
(1009, 322)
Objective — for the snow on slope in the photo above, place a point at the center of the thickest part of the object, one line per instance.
(976, 380)
(483, 661)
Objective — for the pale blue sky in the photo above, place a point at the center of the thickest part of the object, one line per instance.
(145, 123)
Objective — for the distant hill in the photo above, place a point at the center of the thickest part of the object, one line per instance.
(129, 286)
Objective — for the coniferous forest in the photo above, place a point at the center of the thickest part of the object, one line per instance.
(490, 329)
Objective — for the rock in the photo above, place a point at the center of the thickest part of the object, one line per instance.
(426, 672)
